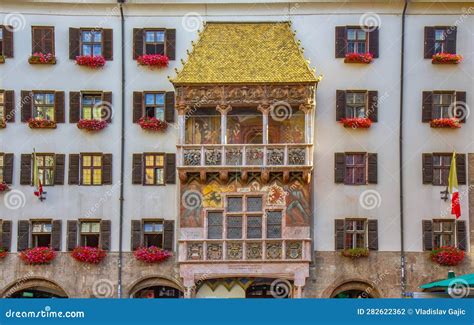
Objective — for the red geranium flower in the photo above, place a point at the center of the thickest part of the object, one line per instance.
(92, 125)
(446, 58)
(151, 254)
(42, 58)
(41, 124)
(447, 255)
(3, 252)
(86, 254)
(90, 61)
(152, 124)
(451, 123)
(356, 123)
(4, 187)
(153, 60)
(37, 255)
(358, 58)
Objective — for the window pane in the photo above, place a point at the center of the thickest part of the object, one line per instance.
(97, 161)
(439, 34)
(254, 204)
(85, 227)
(97, 50)
(351, 34)
(159, 176)
(149, 176)
(160, 99)
(37, 227)
(86, 36)
(97, 176)
(214, 221)
(97, 36)
(86, 160)
(361, 34)
(160, 113)
(159, 160)
(160, 36)
(149, 36)
(274, 224)
(87, 50)
(254, 227)
(234, 227)
(86, 176)
(234, 204)
(149, 99)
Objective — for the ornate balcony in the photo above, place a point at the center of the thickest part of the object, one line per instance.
(248, 250)
(248, 155)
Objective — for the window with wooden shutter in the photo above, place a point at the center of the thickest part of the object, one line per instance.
(6, 234)
(372, 177)
(373, 235)
(56, 234)
(105, 233)
(138, 41)
(91, 169)
(8, 104)
(46, 168)
(355, 233)
(356, 166)
(74, 106)
(42, 40)
(427, 230)
(74, 43)
(108, 44)
(136, 234)
(6, 168)
(41, 233)
(154, 169)
(171, 44)
(153, 233)
(74, 167)
(461, 235)
(170, 168)
(91, 42)
(137, 168)
(436, 168)
(355, 104)
(59, 165)
(357, 40)
(429, 42)
(168, 235)
(339, 167)
(89, 233)
(25, 169)
(427, 163)
(440, 39)
(137, 106)
(154, 105)
(72, 226)
(340, 41)
(26, 105)
(443, 233)
(6, 49)
(169, 107)
(23, 235)
(154, 41)
(339, 234)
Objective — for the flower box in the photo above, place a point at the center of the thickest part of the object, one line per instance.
(447, 123)
(152, 124)
(41, 124)
(356, 123)
(37, 255)
(446, 58)
(151, 254)
(4, 187)
(153, 60)
(92, 125)
(447, 255)
(358, 58)
(355, 252)
(41, 58)
(2, 59)
(3, 124)
(94, 62)
(86, 254)
(3, 253)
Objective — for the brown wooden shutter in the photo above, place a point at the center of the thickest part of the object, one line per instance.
(74, 43)
(136, 234)
(340, 41)
(26, 105)
(105, 230)
(427, 168)
(451, 33)
(461, 234)
(10, 106)
(137, 42)
(169, 106)
(49, 40)
(427, 107)
(461, 106)
(8, 168)
(429, 42)
(107, 108)
(56, 234)
(8, 41)
(25, 170)
(137, 171)
(137, 106)
(60, 160)
(108, 42)
(340, 104)
(373, 235)
(72, 227)
(74, 106)
(170, 168)
(171, 44)
(339, 167)
(373, 105)
(461, 168)
(374, 42)
(6, 239)
(427, 228)
(42, 40)
(23, 235)
(59, 115)
(168, 235)
(107, 169)
(372, 168)
(73, 177)
(36, 40)
(339, 234)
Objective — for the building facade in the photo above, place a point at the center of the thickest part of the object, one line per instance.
(260, 175)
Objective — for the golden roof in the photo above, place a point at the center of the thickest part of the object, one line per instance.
(245, 53)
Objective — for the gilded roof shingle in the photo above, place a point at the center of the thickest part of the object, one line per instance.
(249, 53)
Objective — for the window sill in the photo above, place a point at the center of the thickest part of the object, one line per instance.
(445, 123)
(446, 58)
(365, 58)
(356, 123)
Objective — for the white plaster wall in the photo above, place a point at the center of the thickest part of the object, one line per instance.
(314, 24)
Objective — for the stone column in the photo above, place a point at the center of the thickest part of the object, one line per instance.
(189, 287)
(299, 283)
(224, 109)
(265, 109)
(182, 109)
(307, 109)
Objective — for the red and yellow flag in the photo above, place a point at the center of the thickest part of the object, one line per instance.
(454, 188)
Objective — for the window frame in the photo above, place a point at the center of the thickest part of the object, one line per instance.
(356, 41)
(145, 167)
(2, 40)
(90, 233)
(2, 170)
(145, 233)
(3, 112)
(155, 106)
(96, 105)
(52, 168)
(34, 106)
(91, 44)
(92, 168)
(154, 30)
(53, 48)
(440, 168)
(354, 166)
(443, 232)
(442, 42)
(437, 107)
(33, 235)
(353, 106)
(354, 232)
